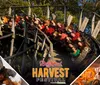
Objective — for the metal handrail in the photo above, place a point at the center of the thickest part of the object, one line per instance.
(51, 45)
(5, 36)
(33, 6)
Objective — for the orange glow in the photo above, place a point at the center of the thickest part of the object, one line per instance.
(79, 82)
(5, 19)
(87, 76)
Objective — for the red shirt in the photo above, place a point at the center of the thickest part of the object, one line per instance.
(50, 30)
(43, 27)
(77, 35)
(61, 29)
(17, 19)
(63, 36)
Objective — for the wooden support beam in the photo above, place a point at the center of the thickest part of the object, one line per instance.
(93, 24)
(10, 11)
(1, 26)
(6, 36)
(32, 6)
(0, 31)
(65, 14)
(48, 12)
(13, 37)
(35, 53)
(29, 8)
(80, 20)
(43, 44)
(29, 11)
(17, 54)
(36, 36)
(45, 53)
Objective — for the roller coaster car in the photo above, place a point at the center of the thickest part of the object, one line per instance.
(87, 56)
(89, 53)
(82, 61)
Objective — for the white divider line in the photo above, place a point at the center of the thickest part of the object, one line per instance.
(85, 70)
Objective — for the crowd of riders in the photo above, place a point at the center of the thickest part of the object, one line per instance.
(68, 36)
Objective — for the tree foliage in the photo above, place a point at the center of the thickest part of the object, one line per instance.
(73, 7)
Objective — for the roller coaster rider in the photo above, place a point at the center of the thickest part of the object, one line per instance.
(70, 38)
(6, 29)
